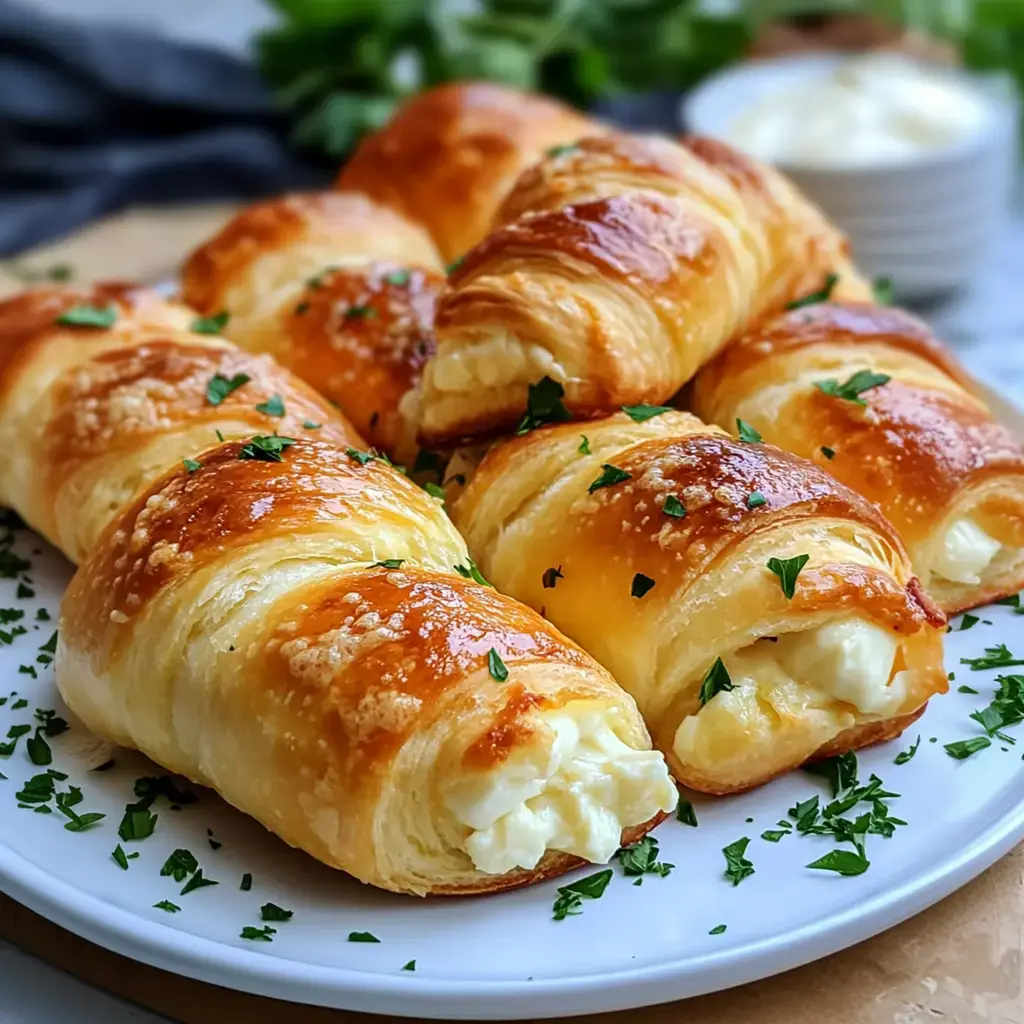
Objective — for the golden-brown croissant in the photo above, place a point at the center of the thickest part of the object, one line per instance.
(760, 612)
(98, 405)
(295, 634)
(620, 266)
(867, 392)
(449, 156)
(338, 289)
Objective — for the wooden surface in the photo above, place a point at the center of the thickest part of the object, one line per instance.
(961, 961)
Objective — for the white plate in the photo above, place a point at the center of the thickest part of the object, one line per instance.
(503, 956)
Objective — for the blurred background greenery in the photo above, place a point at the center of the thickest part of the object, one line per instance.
(340, 66)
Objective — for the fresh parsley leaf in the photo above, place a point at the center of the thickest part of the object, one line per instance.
(219, 387)
(434, 490)
(361, 457)
(211, 324)
(496, 666)
(737, 867)
(311, 425)
(1013, 601)
(963, 749)
(610, 476)
(570, 897)
(454, 265)
(191, 465)
(197, 882)
(788, 569)
(966, 689)
(362, 937)
(641, 585)
(967, 621)
(840, 772)
(805, 814)
(822, 295)
(829, 453)
(471, 572)
(642, 413)
(999, 656)
(399, 278)
(755, 499)
(389, 563)
(273, 406)
(543, 405)
(263, 934)
(265, 448)
(557, 151)
(360, 313)
(854, 386)
(673, 507)
(39, 752)
(641, 858)
(120, 858)
(246, 882)
(774, 835)
(168, 906)
(719, 929)
(551, 577)
(137, 824)
(716, 680)
(906, 755)
(51, 645)
(180, 865)
(410, 966)
(882, 291)
(272, 912)
(1007, 708)
(747, 433)
(89, 316)
(842, 862)
(686, 814)
(584, 448)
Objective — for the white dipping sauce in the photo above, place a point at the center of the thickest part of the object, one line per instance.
(880, 108)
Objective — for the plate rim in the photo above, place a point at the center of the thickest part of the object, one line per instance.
(204, 959)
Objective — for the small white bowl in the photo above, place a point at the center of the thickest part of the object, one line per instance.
(925, 222)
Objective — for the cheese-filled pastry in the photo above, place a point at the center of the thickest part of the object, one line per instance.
(450, 155)
(761, 613)
(104, 389)
(299, 632)
(338, 289)
(867, 392)
(618, 267)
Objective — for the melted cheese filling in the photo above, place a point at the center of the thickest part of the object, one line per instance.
(575, 796)
(965, 553)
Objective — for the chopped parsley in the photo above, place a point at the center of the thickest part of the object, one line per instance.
(1007, 707)
(822, 295)
(747, 433)
(641, 858)
(551, 577)
(584, 448)
(716, 680)
(265, 448)
(641, 585)
(263, 934)
(191, 465)
(168, 906)
(755, 499)
(907, 755)
(89, 316)
(543, 405)
(774, 835)
(399, 278)
(317, 281)
(410, 966)
(842, 862)
(211, 324)
(882, 291)
(360, 313)
(302, 309)
(197, 882)
(362, 937)
(454, 265)
(273, 406)
(137, 824)
(610, 476)
(219, 387)
(180, 865)
(788, 569)
(673, 507)
(686, 814)
(246, 882)
(272, 912)
(120, 857)
(854, 386)
(311, 425)
(719, 929)
(570, 897)
(434, 490)
(642, 413)
(965, 688)
(471, 572)
(361, 457)
(737, 867)
(829, 453)
(496, 666)
(389, 563)
(967, 621)
(51, 645)
(999, 656)
(557, 151)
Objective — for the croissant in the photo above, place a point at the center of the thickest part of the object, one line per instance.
(868, 392)
(448, 156)
(339, 290)
(761, 613)
(293, 633)
(282, 616)
(619, 266)
(91, 413)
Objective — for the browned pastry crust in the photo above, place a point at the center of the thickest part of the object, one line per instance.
(618, 266)
(449, 156)
(924, 448)
(706, 590)
(338, 289)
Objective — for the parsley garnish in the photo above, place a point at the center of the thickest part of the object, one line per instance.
(137, 824)
(496, 666)
(51, 645)
(999, 656)
(543, 405)
(906, 755)
(570, 897)
(89, 316)
(610, 476)
(399, 278)
(361, 457)
(168, 906)
(642, 413)
(737, 867)
(719, 929)
(853, 387)
(686, 814)
(410, 966)
(272, 912)
(273, 406)
(673, 507)
(829, 453)
(310, 425)
(197, 882)
(120, 857)
(716, 680)
(211, 324)
(246, 882)
(882, 291)
(967, 621)
(774, 835)
(822, 295)
(362, 937)
(641, 858)
(471, 572)
(389, 563)
(434, 490)
(180, 865)
(556, 151)
(842, 862)
(257, 934)
(641, 585)
(964, 688)
(191, 465)
(219, 387)
(755, 499)
(747, 433)
(584, 448)
(788, 569)
(454, 265)
(1007, 708)
(360, 313)
(551, 577)
(265, 448)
